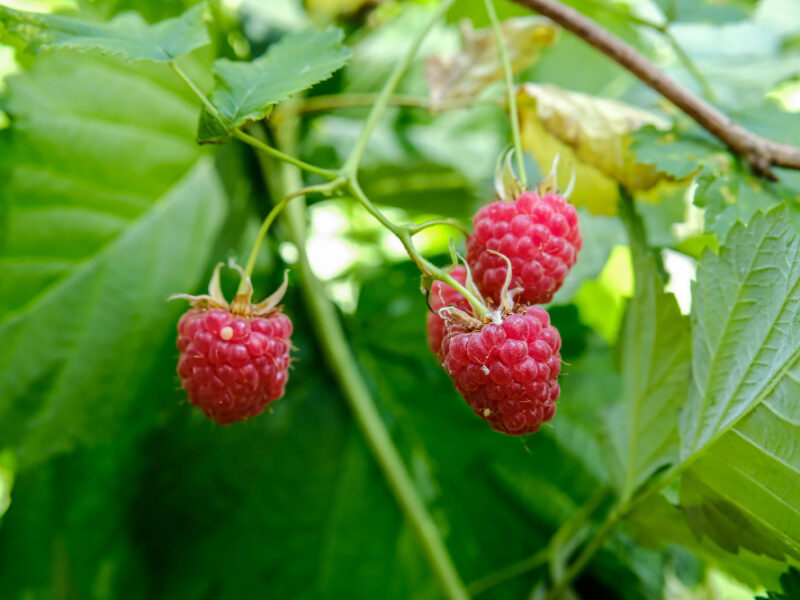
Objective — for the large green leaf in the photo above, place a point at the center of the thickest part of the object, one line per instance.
(107, 209)
(744, 492)
(643, 427)
(745, 326)
(740, 425)
(127, 35)
(246, 91)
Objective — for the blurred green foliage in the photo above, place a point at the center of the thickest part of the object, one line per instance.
(113, 486)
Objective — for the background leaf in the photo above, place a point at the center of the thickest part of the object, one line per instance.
(654, 348)
(247, 91)
(127, 35)
(98, 232)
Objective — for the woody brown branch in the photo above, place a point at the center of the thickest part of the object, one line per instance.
(761, 154)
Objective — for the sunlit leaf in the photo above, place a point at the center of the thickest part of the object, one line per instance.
(127, 35)
(741, 418)
(643, 427)
(247, 91)
(108, 207)
(592, 137)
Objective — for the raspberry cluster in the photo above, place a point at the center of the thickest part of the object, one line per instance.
(507, 369)
(232, 367)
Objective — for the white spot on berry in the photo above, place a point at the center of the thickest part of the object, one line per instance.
(485, 370)
(486, 412)
(226, 333)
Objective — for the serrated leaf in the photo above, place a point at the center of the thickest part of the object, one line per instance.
(740, 424)
(733, 195)
(642, 428)
(247, 91)
(478, 64)
(744, 324)
(107, 211)
(127, 35)
(592, 135)
(790, 584)
(744, 492)
(672, 153)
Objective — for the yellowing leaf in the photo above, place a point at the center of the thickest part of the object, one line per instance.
(592, 135)
(478, 64)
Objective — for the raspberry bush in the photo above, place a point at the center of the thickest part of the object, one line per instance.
(538, 337)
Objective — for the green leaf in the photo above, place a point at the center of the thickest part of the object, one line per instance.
(246, 91)
(712, 11)
(741, 422)
(743, 492)
(127, 35)
(734, 195)
(790, 584)
(108, 209)
(654, 340)
(680, 155)
(745, 326)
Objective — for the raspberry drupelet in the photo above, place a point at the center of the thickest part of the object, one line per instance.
(234, 359)
(443, 295)
(507, 371)
(539, 235)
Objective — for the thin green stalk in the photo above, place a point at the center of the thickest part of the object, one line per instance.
(559, 587)
(510, 572)
(689, 65)
(275, 153)
(417, 227)
(248, 139)
(352, 162)
(512, 95)
(197, 91)
(404, 235)
(334, 101)
(344, 366)
(270, 218)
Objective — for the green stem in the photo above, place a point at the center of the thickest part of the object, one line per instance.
(491, 580)
(404, 235)
(275, 153)
(417, 227)
(270, 218)
(689, 65)
(334, 101)
(197, 91)
(344, 366)
(352, 162)
(559, 587)
(512, 95)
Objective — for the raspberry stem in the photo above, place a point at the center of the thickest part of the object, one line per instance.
(351, 164)
(345, 368)
(512, 94)
(325, 188)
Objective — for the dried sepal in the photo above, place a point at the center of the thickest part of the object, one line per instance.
(506, 184)
(453, 314)
(270, 303)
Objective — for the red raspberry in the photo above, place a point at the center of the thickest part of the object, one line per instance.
(234, 357)
(232, 367)
(540, 237)
(507, 373)
(443, 295)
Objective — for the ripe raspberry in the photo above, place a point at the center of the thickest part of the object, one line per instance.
(234, 358)
(539, 235)
(507, 373)
(443, 295)
(232, 367)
